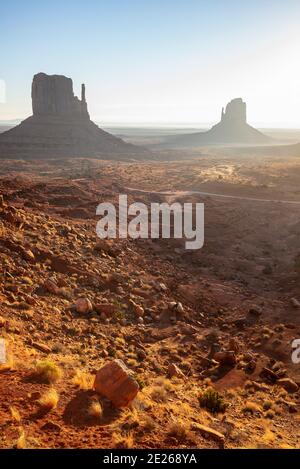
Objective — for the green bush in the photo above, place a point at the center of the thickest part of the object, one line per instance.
(211, 400)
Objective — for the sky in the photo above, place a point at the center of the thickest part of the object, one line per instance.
(150, 62)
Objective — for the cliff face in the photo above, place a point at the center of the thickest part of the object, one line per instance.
(61, 127)
(52, 95)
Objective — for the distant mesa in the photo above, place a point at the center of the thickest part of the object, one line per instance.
(61, 127)
(232, 129)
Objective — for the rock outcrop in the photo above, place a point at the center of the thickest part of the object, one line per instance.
(53, 96)
(61, 127)
(232, 129)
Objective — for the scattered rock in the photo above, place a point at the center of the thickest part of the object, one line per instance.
(268, 374)
(51, 426)
(42, 347)
(226, 358)
(83, 306)
(208, 432)
(174, 370)
(51, 287)
(107, 309)
(288, 384)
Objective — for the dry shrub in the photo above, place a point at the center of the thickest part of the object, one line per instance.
(48, 371)
(21, 441)
(95, 410)
(179, 430)
(158, 394)
(83, 380)
(49, 400)
(130, 419)
(125, 441)
(251, 408)
(15, 414)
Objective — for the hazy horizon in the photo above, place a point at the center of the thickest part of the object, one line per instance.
(172, 64)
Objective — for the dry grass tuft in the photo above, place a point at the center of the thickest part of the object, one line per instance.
(15, 414)
(83, 380)
(49, 400)
(270, 414)
(21, 441)
(158, 394)
(130, 419)
(267, 405)
(164, 383)
(125, 441)
(179, 430)
(95, 410)
(251, 408)
(48, 371)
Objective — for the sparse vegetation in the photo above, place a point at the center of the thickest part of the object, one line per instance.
(49, 400)
(270, 414)
(251, 408)
(95, 410)
(125, 441)
(211, 400)
(48, 371)
(83, 380)
(21, 441)
(267, 405)
(158, 394)
(15, 414)
(140, 380)
(179, 429)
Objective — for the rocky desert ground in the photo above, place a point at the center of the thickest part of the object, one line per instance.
(205, 335)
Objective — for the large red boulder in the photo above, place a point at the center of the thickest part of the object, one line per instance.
(115, 382)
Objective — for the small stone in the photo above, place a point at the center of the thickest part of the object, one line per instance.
(83, 306)
(51, 426)
(51, 286)
(139, 311)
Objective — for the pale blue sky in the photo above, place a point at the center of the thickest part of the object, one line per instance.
(153, 61)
